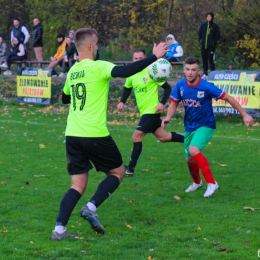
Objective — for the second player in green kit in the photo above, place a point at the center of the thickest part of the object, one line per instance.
(146, 93)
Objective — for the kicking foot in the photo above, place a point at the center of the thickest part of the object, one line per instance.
(92, 218)
(211, 189)
(57, 236)
(194, 187)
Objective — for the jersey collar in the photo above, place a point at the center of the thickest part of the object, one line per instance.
(192, 86)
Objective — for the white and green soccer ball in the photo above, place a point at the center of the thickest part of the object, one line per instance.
(160, 70)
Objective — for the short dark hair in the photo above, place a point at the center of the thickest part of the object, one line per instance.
(82, 33)
(139, 50)
(192, 60)
(17, 19)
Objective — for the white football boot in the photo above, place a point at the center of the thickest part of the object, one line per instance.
(194, 187)
(211, 189)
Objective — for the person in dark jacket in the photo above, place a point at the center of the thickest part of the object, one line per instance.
(209, 35)
(37, 38)
(70, 56)
(17, 54)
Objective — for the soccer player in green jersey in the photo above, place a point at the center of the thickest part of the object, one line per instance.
(87, 137)
(146, 93)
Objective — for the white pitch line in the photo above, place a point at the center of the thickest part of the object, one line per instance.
(121, 129)
(32, 123)
(234, 137)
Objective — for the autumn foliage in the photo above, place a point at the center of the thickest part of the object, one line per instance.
(128, 24)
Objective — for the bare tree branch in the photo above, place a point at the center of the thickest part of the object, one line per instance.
(169, 13)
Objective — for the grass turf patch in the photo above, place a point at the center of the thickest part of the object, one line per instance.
(141, 219)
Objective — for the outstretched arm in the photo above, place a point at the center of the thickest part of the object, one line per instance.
(133, 68)
(171, 111)
(249, 121)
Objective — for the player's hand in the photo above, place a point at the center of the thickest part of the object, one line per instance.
(165, 121)
(120, 106)
(159, 108)
(160, 49)
(249, 121)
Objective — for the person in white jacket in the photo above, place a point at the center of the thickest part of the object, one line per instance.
(20, 32)
(17, 54)
(176, 51)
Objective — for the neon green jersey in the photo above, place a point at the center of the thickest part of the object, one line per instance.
(88, 84)
(146, 91)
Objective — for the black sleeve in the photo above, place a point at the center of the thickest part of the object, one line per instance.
(133, 68)
(39, 34)
(200, 34)
(217, 35)
(65, 98)
(126, 94)
(167, 91)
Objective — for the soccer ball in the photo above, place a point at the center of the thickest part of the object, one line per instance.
(160, 70)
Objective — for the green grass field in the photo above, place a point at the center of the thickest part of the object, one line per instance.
(142, 220)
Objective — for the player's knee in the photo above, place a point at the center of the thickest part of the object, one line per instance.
(193, 150)
(119, 173)
(80, 187)
(79, 183)
(137, 137)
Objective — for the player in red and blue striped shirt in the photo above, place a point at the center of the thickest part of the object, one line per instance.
(199, 122)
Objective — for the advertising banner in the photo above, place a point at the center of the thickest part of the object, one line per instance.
(243, 86)
(34, 86)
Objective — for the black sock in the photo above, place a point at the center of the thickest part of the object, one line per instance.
(137, 149)
(68, 203)
(177, 137)
(105, 189)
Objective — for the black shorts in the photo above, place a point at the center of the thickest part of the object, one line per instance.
(101, 151)
(149, 123)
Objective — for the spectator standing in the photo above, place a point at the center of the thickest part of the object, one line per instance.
(37, 38)
(175, 48)
(71, 35)
(209, 35)
(17, 54)
(60, 51)
(3, 51)
(20, 33)
(70, 56)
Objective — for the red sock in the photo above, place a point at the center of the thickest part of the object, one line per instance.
(203, 164)
(194, 172)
